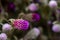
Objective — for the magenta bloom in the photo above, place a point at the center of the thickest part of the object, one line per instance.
(32, 7)
(21, 24)
(35, 17)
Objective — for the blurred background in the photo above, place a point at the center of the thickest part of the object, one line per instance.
(47, 17)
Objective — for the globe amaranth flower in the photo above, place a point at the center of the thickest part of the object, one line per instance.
(35, 17)
(33, 7)
(6, 27)
(56, 28)
(3, 36)
(52, 4)
(21, 24)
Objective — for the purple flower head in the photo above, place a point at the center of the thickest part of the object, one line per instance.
(6, 27)
(33, 7)
(35, 17)
(52, 4)
(3, 36)
(21, 24)
(56, 28)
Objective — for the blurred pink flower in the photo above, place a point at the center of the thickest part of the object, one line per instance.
(6, 27)
(21, 24)
(32, 7)
(52, 4)
(56, 28)
(3, 36)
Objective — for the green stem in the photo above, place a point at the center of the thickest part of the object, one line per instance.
(49, 32)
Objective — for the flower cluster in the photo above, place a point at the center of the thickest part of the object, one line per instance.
(21, 24)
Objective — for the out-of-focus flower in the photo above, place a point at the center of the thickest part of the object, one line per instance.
(21, 24)
(6, 27)
(56, 28)
(35, 17)
(33, 7)
(52, 4)
(32, 17)
(3, 36)
(32, 34)
(11, 6)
